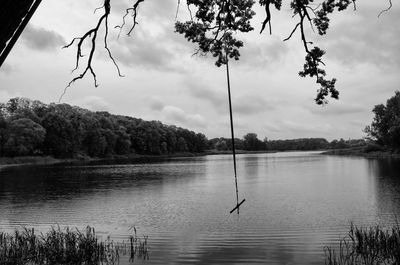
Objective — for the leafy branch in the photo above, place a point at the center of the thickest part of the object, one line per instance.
(213, 27)
(319, 17)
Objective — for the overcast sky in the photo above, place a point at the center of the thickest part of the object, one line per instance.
(163, 81)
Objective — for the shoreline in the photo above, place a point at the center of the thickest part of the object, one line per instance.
(49, 160)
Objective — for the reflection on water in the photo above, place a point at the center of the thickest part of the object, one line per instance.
(296, 203)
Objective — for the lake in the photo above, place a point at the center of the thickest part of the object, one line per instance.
(296, 203)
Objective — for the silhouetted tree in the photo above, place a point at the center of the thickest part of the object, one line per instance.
(385, 127)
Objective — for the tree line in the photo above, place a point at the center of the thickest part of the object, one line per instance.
(250, 142)
(30, 127)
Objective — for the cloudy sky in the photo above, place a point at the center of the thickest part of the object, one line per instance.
(163, 81)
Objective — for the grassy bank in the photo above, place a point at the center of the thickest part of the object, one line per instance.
(67, 246)
(29, 160)
(48, 160)
(45, 160)
(367, 246)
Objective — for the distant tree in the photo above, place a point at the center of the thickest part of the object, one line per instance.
(182, 145)
(17, 108)
(96, 143)
(171, 140)
(221, 145)
(111, 141)
(24, 137)
(164, 148)
(3, 128)
(303, 144)
(59, 135)
(154, 141)
(123, 144)
(338, 144)
(385, 127)
(251, 142)
(72, 130)
(201, 142)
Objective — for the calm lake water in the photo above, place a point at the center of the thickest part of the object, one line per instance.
(296, 203)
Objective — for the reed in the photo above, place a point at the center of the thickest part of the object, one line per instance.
(67, 246)
(366, 245)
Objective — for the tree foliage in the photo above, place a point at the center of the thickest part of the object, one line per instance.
(385, 127)
(215, 24)
(62, 130)
(23, 137)
(213, 27)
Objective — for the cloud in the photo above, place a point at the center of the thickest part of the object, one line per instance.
(94, 103)
(251, 104)
(38, 38)
(156, 104)
(267, 53)
(305, 129)
(6, 68)
(153, 44)
(362, 38)
(339, 108)
(247, 104)
(150, 51)
(178, 116)
(206, 91)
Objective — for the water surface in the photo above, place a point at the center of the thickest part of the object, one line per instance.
(296, 203)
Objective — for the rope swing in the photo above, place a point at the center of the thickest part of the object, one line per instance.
(233, 140)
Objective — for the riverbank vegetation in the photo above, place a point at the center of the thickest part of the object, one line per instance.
(33, 128)
(67, 246)
(385, 127)
(250, 142)
(366, 245)
(33, 131)
(383, 135)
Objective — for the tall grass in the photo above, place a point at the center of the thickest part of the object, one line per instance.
(67, 246)
(366, 245)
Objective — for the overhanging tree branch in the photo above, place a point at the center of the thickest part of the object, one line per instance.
(215, 22)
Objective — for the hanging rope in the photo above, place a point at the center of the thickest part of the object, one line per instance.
(233, 141)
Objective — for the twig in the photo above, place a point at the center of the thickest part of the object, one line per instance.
(387, 9)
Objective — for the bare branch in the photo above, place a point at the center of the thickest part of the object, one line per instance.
(267, 18)
(134, 10)
(190, 11)
(108, 50)
(293, 31)
(177, 9)
(387, 9)
(98, 8)
(91, 36)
